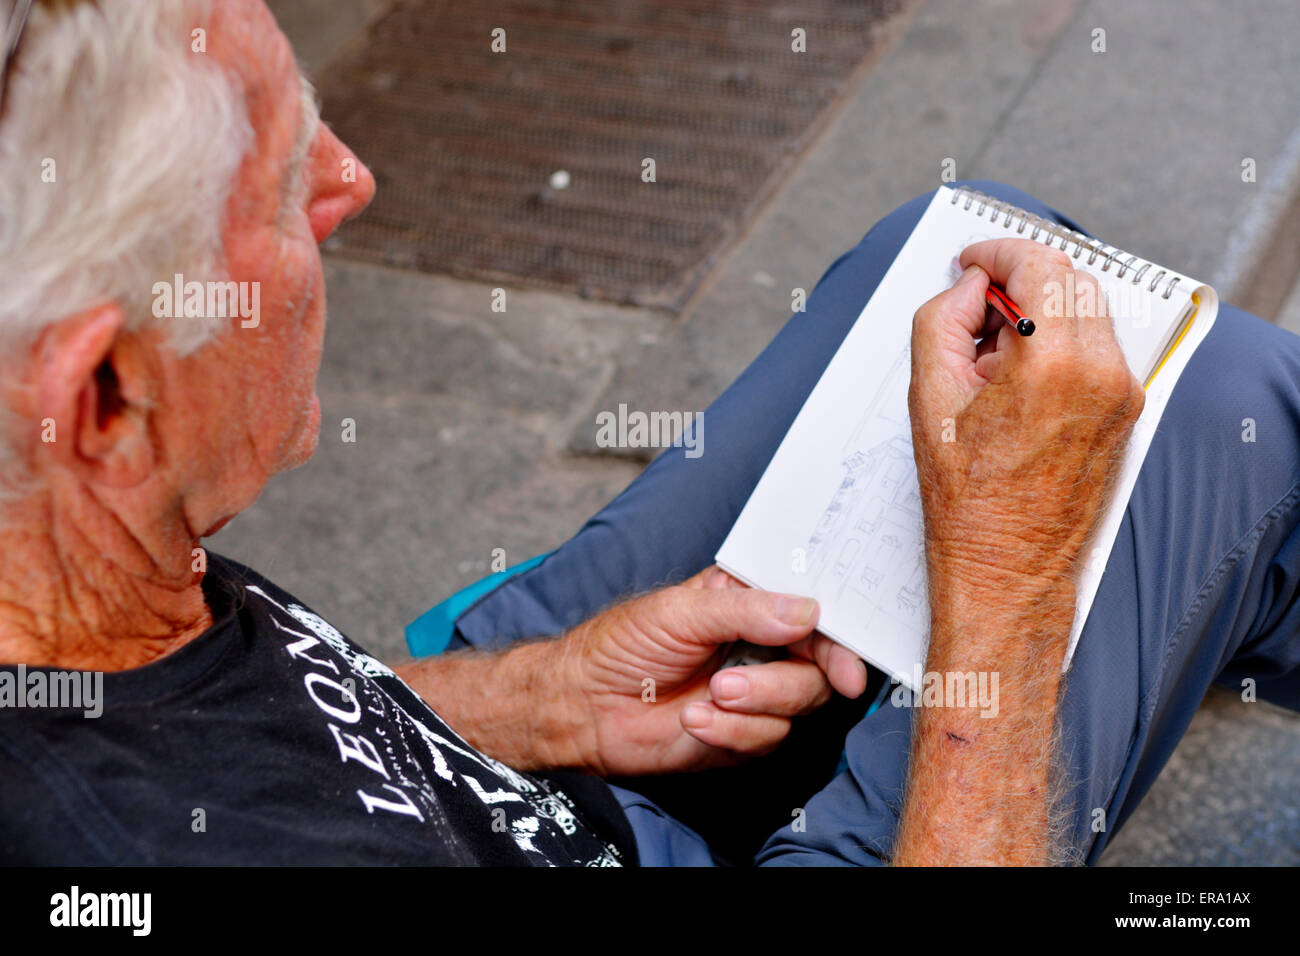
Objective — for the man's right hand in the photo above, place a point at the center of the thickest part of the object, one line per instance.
(1017, 439)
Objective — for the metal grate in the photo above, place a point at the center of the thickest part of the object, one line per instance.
(464, 141)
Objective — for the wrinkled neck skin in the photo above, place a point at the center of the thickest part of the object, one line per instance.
(86, 587)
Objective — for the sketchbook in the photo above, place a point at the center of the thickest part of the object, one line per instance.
(837, 513)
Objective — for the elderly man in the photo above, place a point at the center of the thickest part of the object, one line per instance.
(139, 142)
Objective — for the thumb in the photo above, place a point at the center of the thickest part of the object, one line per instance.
(714, 616)
(954, 317)
(945, 334)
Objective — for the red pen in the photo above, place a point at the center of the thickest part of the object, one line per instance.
(997, 298)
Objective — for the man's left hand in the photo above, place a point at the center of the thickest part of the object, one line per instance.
(646, 670)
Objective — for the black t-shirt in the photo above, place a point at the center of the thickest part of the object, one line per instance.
(272, 738)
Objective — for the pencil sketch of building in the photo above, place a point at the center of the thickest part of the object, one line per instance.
(866, 546)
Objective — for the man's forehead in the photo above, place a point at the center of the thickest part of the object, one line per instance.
(280, 102)
(251, 45)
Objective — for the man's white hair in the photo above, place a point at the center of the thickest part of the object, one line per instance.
(119, 145)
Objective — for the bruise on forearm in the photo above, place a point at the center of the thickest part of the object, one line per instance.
(980, 789)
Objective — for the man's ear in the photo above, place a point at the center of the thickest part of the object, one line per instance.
(93, 383)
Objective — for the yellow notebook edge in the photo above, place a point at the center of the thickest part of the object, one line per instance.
(1199, 308)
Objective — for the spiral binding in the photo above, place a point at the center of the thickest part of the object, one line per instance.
(1094, 247)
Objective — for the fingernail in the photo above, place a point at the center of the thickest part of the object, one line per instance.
(969, 273)
(697, 716)
(796, 610)
(732, 686)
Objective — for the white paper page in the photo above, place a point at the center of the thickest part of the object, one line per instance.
(837, 515)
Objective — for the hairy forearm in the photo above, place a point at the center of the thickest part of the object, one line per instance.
(518, 705)
(980, 787)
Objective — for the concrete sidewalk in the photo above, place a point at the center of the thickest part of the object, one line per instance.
(475, 429)
(1150, 159)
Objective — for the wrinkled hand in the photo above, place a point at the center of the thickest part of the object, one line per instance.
(647, 671)
(1035, 426)
(1017, 441)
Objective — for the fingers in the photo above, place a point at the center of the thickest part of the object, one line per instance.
(749, 734)
(844, 669)
(1000, 258)
(1043, 281)
(1074, 344)
(1023, 267)
(720, 615)
(1068, 306)
(786, 688)
(713, 577)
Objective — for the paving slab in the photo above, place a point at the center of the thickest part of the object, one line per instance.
(1289, 315)
(1227, 797)
(320, 29)
(1143, 144)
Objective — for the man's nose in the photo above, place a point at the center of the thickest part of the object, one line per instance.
(342, 185)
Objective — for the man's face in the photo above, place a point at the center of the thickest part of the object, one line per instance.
(244, 407)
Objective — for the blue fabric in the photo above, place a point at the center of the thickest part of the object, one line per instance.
(430, 633)
(1201, 586)
(661, 839)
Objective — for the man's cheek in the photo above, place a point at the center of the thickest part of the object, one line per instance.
(307, 437)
